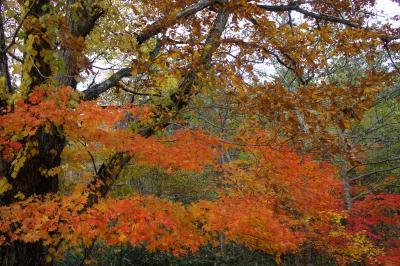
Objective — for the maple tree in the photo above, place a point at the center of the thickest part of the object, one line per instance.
(90, 88)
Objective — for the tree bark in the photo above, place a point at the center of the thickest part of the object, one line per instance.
(346, 190)
(40, 152)
(80, 23)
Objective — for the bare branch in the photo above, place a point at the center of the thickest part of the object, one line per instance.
(94, 91)
(16, 58)
(297, 8)
(374, 189)
(168, 20)
(5, 49)
(279, 8)
(373, 173)
(138, 93)
(374, 163)
(386, 46)
(327, 18)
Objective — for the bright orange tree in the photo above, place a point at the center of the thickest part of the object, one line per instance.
(277, 194)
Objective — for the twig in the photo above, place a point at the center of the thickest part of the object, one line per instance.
(18, 28)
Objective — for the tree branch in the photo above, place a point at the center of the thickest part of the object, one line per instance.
(109, 171)
(94, 91)
(386, 46)
(168, 21)
(373, 173)
(297, 8)
(151, 31)
(12, 42)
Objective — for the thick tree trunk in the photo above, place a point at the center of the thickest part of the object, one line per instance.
(39, 70)
(40, 152)
(88, 15)
(27, 175)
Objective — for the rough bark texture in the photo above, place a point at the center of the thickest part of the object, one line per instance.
(5, 85)
(28, 180)
(80, 23)
(41, 152)
(41, 70)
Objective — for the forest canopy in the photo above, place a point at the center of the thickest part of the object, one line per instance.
(208, 132)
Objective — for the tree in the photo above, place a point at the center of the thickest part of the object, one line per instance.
(166, 56)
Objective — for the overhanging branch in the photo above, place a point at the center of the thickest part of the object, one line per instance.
(94, 91)
(299, 9)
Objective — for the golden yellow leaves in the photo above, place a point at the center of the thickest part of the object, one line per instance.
(51, 172)
(19, 196)
(3, 91)
(4, 185)
(30, 150)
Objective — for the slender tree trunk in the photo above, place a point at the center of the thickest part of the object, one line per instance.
(346, 189)
(344, 172)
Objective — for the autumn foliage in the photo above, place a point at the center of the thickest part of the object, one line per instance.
(90, 90)
(275, 200)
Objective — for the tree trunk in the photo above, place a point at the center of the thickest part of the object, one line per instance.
(346, 190)
(42, 151)
(27, 175)
(39, 152)
(344, 172)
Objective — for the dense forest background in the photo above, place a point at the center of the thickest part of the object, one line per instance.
(209, 132)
